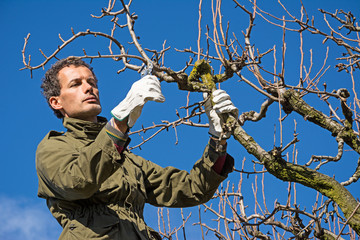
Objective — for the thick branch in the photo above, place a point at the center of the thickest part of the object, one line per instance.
(293, 102)
(290, 172)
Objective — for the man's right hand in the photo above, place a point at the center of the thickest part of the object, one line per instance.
(146, 89)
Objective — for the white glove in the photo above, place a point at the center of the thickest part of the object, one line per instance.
(222, 104)
(146, 89)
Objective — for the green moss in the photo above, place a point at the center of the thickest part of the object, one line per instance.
(201, 70)
(201, 78)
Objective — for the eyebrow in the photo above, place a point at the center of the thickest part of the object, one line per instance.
(92, 78)
(77, 79)
(74, 80)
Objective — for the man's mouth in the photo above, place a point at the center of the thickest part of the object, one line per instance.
(91, 99)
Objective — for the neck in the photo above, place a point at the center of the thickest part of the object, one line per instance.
(93, 119)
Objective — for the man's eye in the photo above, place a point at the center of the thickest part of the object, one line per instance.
(93, 84)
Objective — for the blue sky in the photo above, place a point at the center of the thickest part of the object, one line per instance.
(26, 117)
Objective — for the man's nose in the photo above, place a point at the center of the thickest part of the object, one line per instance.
(87, 87)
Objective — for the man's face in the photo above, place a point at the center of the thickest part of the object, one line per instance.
(79, 94)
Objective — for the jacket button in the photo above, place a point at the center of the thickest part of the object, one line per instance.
(72, 226)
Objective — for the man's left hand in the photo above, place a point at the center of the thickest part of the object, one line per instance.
(221, 104)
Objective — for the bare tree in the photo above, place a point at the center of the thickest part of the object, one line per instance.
(335, 212)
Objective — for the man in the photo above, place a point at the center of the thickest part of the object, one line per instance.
(94, 186)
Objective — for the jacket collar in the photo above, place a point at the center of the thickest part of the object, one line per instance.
(84, 129)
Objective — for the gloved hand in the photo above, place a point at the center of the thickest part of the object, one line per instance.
(146, 89)
(222, 104)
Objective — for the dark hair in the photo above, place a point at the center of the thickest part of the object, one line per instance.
(51, 84)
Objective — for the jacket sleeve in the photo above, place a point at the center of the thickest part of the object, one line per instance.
(71, 173)
(171, 187)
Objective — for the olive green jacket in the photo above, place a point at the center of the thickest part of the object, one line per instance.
(95, 192)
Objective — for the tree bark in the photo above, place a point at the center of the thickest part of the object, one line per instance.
(293, 102)
(290, 172)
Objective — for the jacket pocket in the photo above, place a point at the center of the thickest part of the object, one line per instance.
(107, 229)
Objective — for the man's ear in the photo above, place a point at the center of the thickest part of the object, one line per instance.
(55, 103)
